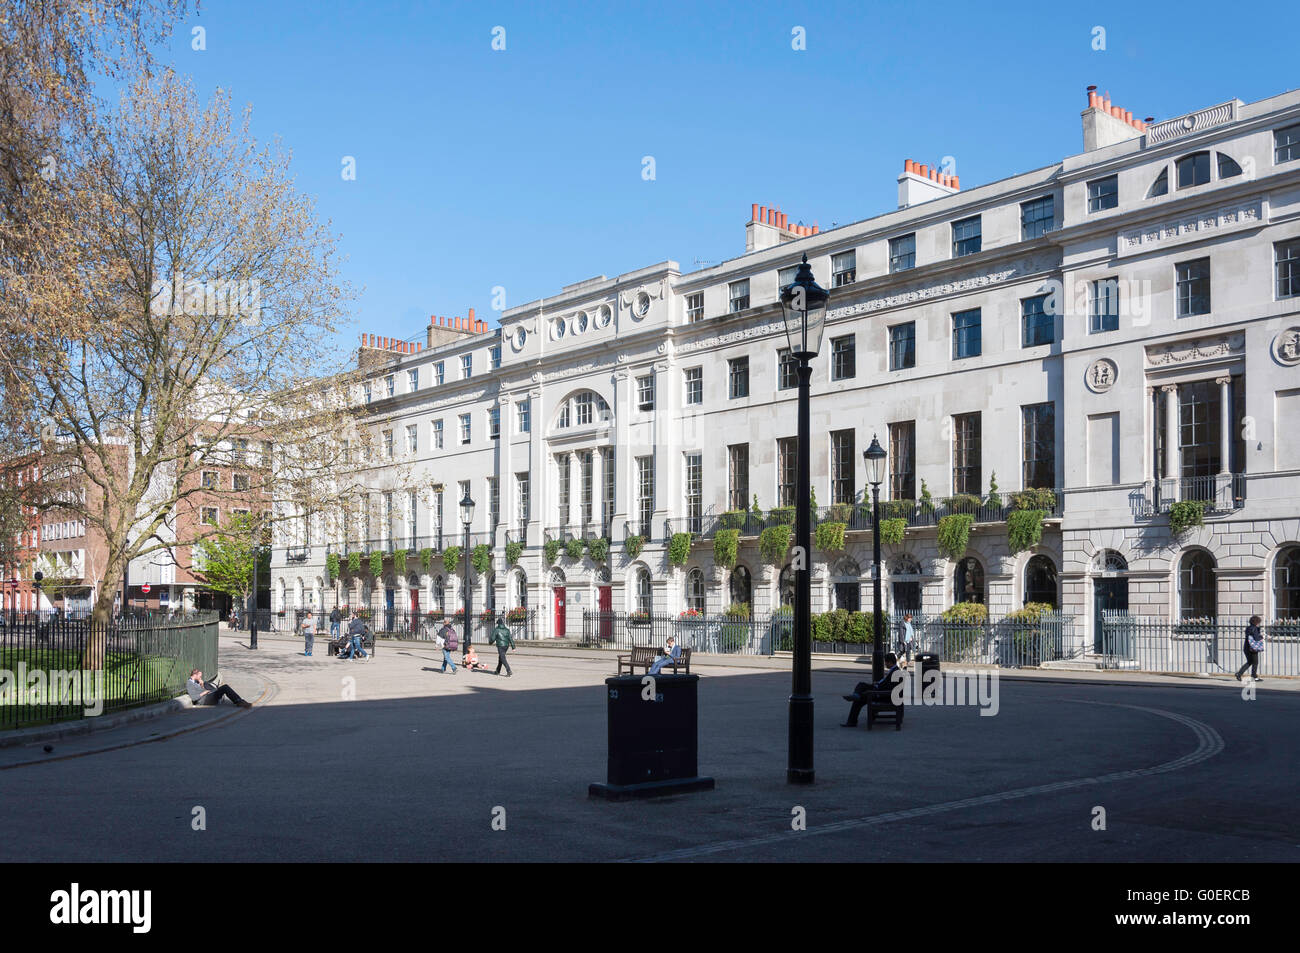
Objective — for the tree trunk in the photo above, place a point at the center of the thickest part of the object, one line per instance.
(101, 617)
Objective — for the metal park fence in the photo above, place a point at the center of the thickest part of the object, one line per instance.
(1197, 646)
(47, 670)
(396, 623)
(722, 634)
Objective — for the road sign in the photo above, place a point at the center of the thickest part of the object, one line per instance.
(145, 588)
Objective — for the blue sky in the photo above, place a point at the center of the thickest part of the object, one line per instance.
(522, 168)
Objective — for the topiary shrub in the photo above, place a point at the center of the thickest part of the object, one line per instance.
(726, 547)
(954, 534)
(354, 563)
(376, 564)
(426, 558)
(550, 551)
(1024, 529)
(332, 566)
(679, 549)
(598, 549)
(1185, 514)
(927, 501)
(830, 536)
(451, 559)
(633, 546)
(733, 519)
(481, 558)
(574, 549)
(774, 542)
(893, 530)
(962, 503)
(513, 552)
(994, 498)
(971, 612)
(737, 610)
(399, 562)
(755, 512)
(840, 512)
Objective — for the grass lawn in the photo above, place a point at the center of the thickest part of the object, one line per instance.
(128, 680)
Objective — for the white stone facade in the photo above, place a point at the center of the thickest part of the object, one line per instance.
(1224, 378)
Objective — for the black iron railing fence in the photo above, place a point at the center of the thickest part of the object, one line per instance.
(1199, 646)
(731, 635)
(44, 673)
(394, 623)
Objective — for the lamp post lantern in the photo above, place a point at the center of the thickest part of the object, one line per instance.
(875, 456)
(466, 518)
(803, 307)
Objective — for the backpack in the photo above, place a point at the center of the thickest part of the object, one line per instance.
(452, 643)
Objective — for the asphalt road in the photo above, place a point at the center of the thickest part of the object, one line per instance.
(416, 766)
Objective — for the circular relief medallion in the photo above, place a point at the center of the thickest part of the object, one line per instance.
(1101, 376)
(603, 316)
(641, 304)
(521, 337)
(580, 322)
(558, 327)
(1286, 346)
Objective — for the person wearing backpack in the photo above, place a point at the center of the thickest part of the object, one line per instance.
(448, 643)
(502, 639)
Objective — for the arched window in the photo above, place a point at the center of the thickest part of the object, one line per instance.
(786, 585)
(695, 590)
(1286, 584)
(582, 409)
(1193, 169)
(968, 581)
(644, 600)
(439, 595)
(1109, 561)
(490, 592)
(1040, 581)
(521, 590)
(1160, 186)
(742, 587)
(1197, 589)
(1227, 166)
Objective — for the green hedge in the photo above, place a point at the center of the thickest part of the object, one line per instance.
(893, 530)
(481, 558)
(332, 566)
(451, 559)
(726, 547)
(1034, 499)
(376, 564)
(733, 519)
(830, 536)
(774, 543)
(954, 534)
(679, 549)
(574, 549)
(354, 563)
(598, 549)
(513, 552)
(550, 551)
(1024, 529)
(633, 546)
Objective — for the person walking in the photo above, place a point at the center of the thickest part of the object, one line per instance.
(336, 618)
(909, 640)
(504, 641)
(1251, 648)
(308, 628)
(448, 642)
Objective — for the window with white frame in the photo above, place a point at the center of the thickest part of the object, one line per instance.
(464, 429)
(645, 392)
(437, 435)
(412, 440)
(844, 268)
(494, 356)
(523, 413)
(494, 423)
(695, 307)
(645, 483)
(466, 366)
(439, 372)
(738, 295)
(693, 377)
(388, 445)
(413, 379)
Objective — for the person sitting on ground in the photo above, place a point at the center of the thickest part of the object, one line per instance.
(671, 653)
(864, 689)
(205, 693)
(471, 663)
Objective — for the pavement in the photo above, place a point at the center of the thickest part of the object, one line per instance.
(390, 759)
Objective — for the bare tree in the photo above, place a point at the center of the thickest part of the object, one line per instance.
(209, 296)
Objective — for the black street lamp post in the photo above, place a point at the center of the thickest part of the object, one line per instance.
(803, 306)
(875, 457)
(467, 517)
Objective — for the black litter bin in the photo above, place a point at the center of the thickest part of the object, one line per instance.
(653, 742)
(929, 662)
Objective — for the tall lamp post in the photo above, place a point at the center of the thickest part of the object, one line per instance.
(467, 517)
(875, 457)
(803, 306)
(257, 558)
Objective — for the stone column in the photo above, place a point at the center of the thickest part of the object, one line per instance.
(1169, 485)
(1223, 481)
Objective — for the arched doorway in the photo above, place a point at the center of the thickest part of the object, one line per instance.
(1109, 594)
(413, 584)
(1040, 582)
(845, 590)
(905, 585)
(605, 603)
(968, 581)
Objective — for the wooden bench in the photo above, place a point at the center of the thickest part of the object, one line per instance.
(880, 704)
(645, 655)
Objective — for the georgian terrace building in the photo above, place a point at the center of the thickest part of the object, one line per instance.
(1118, 331)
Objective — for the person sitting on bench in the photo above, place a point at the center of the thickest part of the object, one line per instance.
(862, 693)
(205, 693)
(671, 653)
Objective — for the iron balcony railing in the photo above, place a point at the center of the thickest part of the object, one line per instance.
(439, 542)
(858, 516)
(1220, 494)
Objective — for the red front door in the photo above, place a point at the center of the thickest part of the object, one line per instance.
(559, 611)
(605, 606)
(415, 610)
